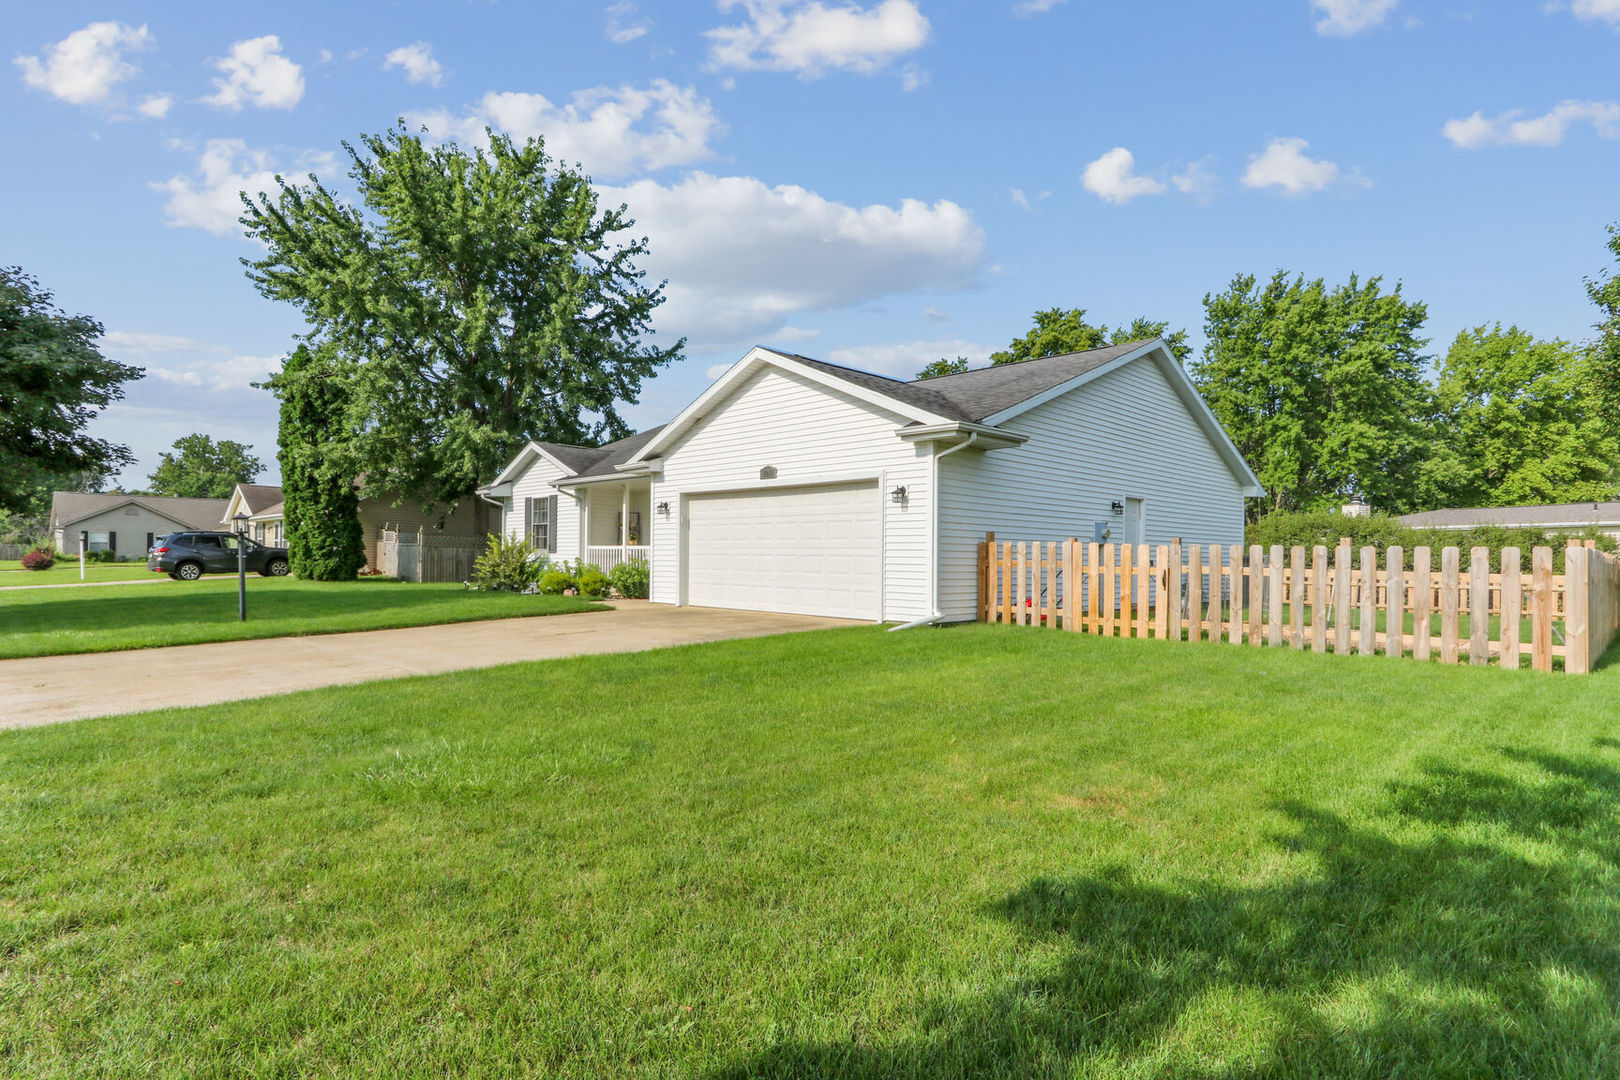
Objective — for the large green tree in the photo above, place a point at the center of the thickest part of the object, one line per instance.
(324, 538)
(1519, 421)
(1604, 291)
(1322, 389)
(53, 383)
(479, 298)
(197, 467)
(1060, 330)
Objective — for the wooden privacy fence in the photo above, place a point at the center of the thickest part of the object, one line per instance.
(423, 556)
(1318, 602)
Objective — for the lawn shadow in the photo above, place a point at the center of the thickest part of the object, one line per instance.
(1466, 927)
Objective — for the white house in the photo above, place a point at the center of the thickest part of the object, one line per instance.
(799, 486)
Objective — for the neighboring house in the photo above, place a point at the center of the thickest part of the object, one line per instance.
(124, 524)
(266, 512)
(799, 486)
(1604, 516)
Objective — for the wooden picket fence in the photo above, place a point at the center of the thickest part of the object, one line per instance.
(1280, 597)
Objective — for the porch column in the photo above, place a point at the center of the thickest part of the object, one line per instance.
(624, 521)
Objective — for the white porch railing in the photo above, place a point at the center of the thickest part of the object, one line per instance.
(609, 557)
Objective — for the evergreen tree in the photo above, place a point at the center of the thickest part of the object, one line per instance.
(317, 474)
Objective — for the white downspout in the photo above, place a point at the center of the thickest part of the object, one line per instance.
(933, 537)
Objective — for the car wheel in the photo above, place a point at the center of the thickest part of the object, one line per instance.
(188, 571)
(277, 568)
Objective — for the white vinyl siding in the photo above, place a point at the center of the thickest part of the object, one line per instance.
(1125, 435)
(811, 434)
(535, 483)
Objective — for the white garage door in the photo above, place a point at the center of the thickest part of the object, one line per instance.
(809, 551)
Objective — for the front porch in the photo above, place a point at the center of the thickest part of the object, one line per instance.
(614, 520)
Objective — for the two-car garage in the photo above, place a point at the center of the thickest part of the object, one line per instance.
(805, 550)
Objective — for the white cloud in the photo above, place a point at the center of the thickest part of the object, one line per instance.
(903, 359)
(185, 361)
(1035, 7)
(83, 67)
(934, 314)
(912, 78)
(743, 257)
(1197, 179)
(612, 132)
(156, 106)
(1112, 178)
(1283, 164)
(1341, 18)
(624, 23)
(794, 333)
(255, 72)
(211, 198)
(811, 38)
(417, 61)
(1515, 129)
(714, 371)
(1605, 10)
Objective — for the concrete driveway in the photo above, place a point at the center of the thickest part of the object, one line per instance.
(51, 689)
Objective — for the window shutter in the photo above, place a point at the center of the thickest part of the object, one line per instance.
(112, 542)
(148, 541)
(528, 519)
(551, 525)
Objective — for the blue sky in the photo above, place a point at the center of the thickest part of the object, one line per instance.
(876, 184)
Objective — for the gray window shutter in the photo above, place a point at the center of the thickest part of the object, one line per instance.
(551, 526)
(112, 542)
(528, 520)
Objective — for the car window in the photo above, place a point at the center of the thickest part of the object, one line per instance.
(204, 540)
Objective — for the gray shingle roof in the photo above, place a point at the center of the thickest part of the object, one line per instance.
(1599, 513)
(70, 506)
(259, 496)
(973, 395)
(599, 460)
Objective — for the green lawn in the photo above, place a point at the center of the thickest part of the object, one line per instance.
(980, 851)
(43, 622)
(12, 573)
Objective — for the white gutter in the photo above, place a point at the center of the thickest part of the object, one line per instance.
(933, 537)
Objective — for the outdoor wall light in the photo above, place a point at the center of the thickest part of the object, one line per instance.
(663, 508)
(768, 473)
(898, 494)
(1117, 507)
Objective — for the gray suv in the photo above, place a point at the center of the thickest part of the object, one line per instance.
(189, 555)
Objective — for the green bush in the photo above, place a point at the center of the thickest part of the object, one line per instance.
(592, 582)
(1382, 532)
(508, 564)
(556, 581)
(631, 579)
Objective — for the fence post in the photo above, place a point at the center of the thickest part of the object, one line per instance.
(1144, 588)
(1274, 598)
(1319, 619)
(1296, 597)
(1256, 574)
(1161, 610)
(984, 576)
(1479, 605)
(1395, 601)
(1422, 601)
(1577, 607)
(1093, 619)
(1512, 606)
(1541, 608)
(1341, 596)
(1195, 592)
(1173, 580)
(1071, 584)
(1449, 594)
(1004, 558)
(1369, 600)
(1234, 589)
(1126, 577)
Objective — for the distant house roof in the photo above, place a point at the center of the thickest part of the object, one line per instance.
(1553, 515)
(258, 497)
(68, 507)
(271, 512)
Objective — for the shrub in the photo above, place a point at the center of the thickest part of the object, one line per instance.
(508, 564)
(592, 582)
(556, 581)
(631, 579)
(1382, 532)
(38, 559)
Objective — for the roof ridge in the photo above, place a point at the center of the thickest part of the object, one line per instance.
(1126, 345)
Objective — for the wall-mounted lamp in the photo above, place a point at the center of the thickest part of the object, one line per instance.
(663, 508)
(768, 473)
(1117, 507)
(898, 494)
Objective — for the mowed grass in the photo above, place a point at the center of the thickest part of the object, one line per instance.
(67, 571)
(43, 622)
(980, 851)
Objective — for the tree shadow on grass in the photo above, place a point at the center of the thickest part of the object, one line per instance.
(1467, 927)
